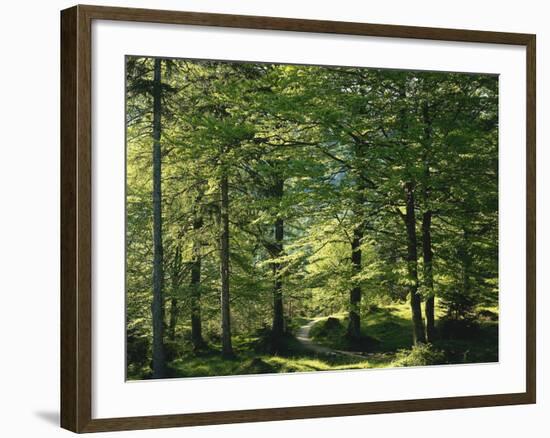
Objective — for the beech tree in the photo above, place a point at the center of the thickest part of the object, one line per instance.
(260, 196)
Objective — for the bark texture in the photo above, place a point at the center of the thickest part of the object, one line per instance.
(428, 275)
(227, 348)
(174, 305)
(196, 319)
(412, 265)
(278, 312)
(427, 252)
(157, 305)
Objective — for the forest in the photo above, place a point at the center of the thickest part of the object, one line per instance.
(291, 218)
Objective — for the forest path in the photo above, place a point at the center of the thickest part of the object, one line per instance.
(303, 336)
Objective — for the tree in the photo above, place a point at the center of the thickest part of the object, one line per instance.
(227, 349)
(412, 264)
(285, 191)
(195, 282)
(157, 305)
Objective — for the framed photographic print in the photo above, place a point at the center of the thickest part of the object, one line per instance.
(269, 218)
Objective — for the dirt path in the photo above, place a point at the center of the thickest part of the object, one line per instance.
(304, 338)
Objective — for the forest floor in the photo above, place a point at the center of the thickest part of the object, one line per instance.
(303, 335)
(320, 345)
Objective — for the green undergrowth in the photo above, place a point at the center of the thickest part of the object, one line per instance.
(386, 341)
(386, 332)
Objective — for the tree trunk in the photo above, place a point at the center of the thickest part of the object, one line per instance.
(157, 305)
(354, 324)
(174, 307)
(173, 319)
(227, 348)
(278, 311)
(428, 274)
(412, 265)
(196, 321)
(427, 252)
(466, 262)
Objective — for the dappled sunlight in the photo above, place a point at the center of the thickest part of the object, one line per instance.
(302, 218)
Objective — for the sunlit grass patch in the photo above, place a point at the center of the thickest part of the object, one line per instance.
(389, 324)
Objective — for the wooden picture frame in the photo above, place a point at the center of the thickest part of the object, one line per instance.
(76, 218)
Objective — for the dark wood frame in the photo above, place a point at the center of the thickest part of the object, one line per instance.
(76, 218)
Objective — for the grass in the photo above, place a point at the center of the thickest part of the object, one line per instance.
(294, 359)
(385, 329)
(247, 362)
(391, 328)
(296, 323)
(386, 342)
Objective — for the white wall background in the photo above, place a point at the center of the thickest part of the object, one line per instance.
(29, 215)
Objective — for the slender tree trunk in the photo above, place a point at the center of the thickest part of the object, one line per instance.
(173, 319)
(196, 321)
(428, 274)
(427, 252)
(278, 311)
(227, 348)
(176, 278)
(466, 262)
(157, 305)
(354, 324)
(412, 266)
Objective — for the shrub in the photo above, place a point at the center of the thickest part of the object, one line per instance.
(257, 366)
(459, 304)
(450, 328)
(332, 332)
(487, 315)
(330, 328)
(268, 343)
(173, 349)
(137, 348)
(419, 355)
